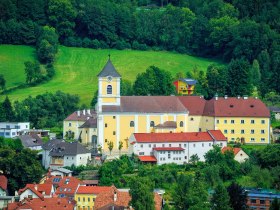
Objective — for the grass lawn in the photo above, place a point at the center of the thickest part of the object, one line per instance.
(76, 68)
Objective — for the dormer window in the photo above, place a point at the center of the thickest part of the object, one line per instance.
(109, 89)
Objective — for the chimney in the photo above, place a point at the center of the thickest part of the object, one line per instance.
(36, 187)
(216, 96)
(256, 97)
(78, 113)
(245, 97)
(226, 97)
(84, 112)
(238, 97)
(115, 196)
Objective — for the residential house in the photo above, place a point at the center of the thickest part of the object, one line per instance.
(178, 148)
(33, 141)
(64, 186)
(31, 191)
(276, 111)
(13, 129)
(42, 203)
(239, 118)
(119, 199)
(61, 172)
(239, 155)
(185, 86)
(4, 198)
(85, 196)
(58, 153)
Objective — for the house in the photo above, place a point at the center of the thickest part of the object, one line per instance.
(239, 155)
(185, 86)
(33, 141)
(276, 111)
(119, 199)
(42, 203)
(61, 172)
(261, 198)
(162, 148)
(4, 198)
(81, 125)
(31, 191)
(58, 153)
(85, 195)
(242, 119)
(64, 186)
(13, 129)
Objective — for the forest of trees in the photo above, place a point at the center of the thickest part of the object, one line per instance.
(243, 32)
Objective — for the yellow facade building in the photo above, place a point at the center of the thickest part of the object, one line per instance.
(185, 86)
(117, 117)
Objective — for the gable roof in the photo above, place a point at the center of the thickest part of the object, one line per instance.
(210, 135)
(147, 104)
(3, 182)
(195, 104)
(81, 115)
(62, 148)
(235, 150)
(92, 189)
(109, 70)
(90, 123)
(189, 81)
(31, 140)
(40, 189)
(147, 158)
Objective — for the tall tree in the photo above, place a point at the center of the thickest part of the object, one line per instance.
(255, 73)
(238, 80)
(238, 197)
(220, 198)
(8, 110)
(2, 82)
(141, 192)
(217, 80)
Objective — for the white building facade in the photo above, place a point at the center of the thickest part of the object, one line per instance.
(13, 129)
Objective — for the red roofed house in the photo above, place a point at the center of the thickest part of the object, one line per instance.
(36, 191)
(3, 185)
(42, 203)
(119, 199)
(176, 148)
(239, 155)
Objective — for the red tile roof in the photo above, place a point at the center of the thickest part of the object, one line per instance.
(46, 203)
(92, 189)
(3, 182)
(81, 115)
(234, 107)
(168, 149)
(180, 137)
(46, 188)
(194, 104)
(147, 158)
(234, 149)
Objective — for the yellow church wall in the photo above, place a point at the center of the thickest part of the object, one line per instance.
(110, 130)
(125, 129)
(194, 123)
(156, 119)
(113, 83)
(142, 124)
(180, 118)
(232, 128)
(109, 100)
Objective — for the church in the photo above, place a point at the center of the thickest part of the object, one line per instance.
(116, 117)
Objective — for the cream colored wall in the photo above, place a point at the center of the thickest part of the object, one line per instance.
(74, 127)
(247, 127)
(194, 123)
(241, 156)
(207, 123)
(87, 134)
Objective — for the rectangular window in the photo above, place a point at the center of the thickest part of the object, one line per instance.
(193, 145)
(225, 121)
(162, 145)
(79, 199)
(218, 121)
(88, 199)
(252, 131)
(262, 139)
(169, 145)
(225, 131)
(185, 145)
(253, 201)
(210, 144)
(154, 146)
(232, 139)
(252, 139)
(141, 153)
(232, 131)
(114, 117)
(221, 144)
(70, 124)
(114, 132)
(262, 201)
(141, 145)
(150, 145)
(202, 144)
(242, 121)
(199, 130)
(242, 131)
(169, 156)
(263, 121)
(252, 121)
(232, 121)
(105, 125)
(180, 145)
(262, 131)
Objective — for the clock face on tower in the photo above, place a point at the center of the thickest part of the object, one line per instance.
(109, 78)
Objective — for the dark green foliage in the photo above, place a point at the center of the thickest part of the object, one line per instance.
(238, 197)
(141, 192)
(14, 144)
(269, 157)
(7, 113)
(2, 82)
(275, 205)
(94, 99)
(126, 88)
(46, 110)
(32, 71)
(217, 79)
(220, 198)
(154, 82)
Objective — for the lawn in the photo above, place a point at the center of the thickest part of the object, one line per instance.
(76, 68)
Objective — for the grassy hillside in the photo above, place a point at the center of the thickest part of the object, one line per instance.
(76, 68)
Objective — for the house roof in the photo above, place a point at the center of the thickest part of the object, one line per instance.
(109, 70)
(92, 189)
(32, 140)
(147, 158)
(189, 81)
(3, 182)
(63, 170)
(66, 185)
(81, 115)
(90, 123)
(235, 150)
(168, 149)
(167, 124)
(274, 108)
(210, 135)
(61, 148)
(46, 203)
(195, 104)
(46, 188)
(105, 200)
(147, 104)
(236, 107)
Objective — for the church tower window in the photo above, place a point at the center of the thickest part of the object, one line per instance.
(109, 89)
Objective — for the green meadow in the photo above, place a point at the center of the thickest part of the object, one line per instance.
(76, 68)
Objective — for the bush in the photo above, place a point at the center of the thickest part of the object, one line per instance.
(138, 46)
(95, 44)
(86, 42)
(121, 45)
(103, 45)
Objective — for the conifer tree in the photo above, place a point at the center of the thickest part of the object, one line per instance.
(220, 199)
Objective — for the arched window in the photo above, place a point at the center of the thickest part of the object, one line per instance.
(131, 123)
(109, 89)
(181, 124)
(152, 124)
